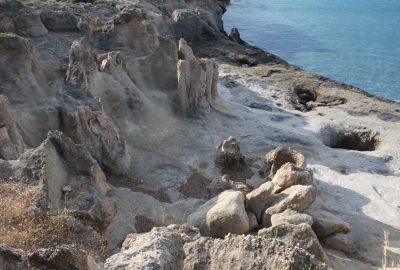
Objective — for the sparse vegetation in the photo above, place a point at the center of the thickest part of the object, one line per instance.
(386, 264)
(23, 226)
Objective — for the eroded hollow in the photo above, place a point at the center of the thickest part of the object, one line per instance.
(360, 139)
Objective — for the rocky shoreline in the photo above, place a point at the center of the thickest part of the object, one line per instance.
(140, 135)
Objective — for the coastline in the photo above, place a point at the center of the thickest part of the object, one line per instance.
(118, 125)
(315, 51)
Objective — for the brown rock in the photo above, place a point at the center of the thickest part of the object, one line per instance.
(297, 198)
(292, 217)
(276, 158)
(197, 80)
(289, 175)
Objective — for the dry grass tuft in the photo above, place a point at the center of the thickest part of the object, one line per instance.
(386, 265)
(22, 226)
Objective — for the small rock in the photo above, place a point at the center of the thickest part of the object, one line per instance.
(229, 155)
(253, 223)
(235, 36)
(289, 175)
(292, 217)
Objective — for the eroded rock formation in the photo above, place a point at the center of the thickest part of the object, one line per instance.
(197, 80)
(86, 122)
(11, 143)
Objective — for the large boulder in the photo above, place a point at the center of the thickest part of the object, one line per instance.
(161, 248)
(11, 143)
(292, 217)
(247, 252)
(197, 80)
(289, 175)
(301, 235)
(29, 25)
(221, 215)
(297, 198)
(280, 156)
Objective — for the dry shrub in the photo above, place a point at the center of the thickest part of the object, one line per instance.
(24, 227)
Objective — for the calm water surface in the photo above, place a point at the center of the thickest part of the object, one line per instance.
(354, 41)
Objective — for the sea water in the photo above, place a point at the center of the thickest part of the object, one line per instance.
(353, 41)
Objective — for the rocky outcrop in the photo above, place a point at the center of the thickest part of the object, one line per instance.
(161, 248)
(81, 64)
(7, 25)
(29, 25)
(59, 20)
(301, 235)
(98, 133)
(221, 215)
(249, 252)
(11, 143)
(235, 36)
(196, 25)
(197, 81)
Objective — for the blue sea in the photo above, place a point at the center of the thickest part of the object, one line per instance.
(353, 41)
